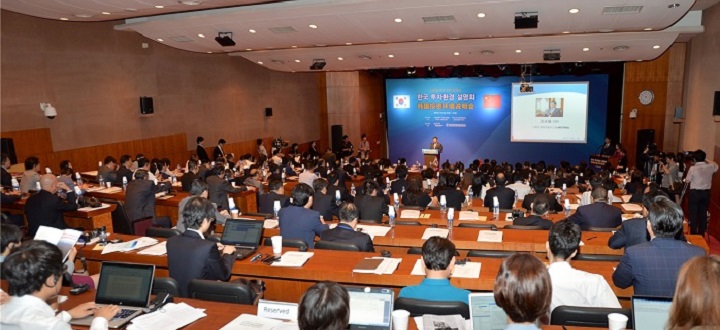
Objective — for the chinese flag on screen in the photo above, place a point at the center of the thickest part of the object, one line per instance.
(491, 101)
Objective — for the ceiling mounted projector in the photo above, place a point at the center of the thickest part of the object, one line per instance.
(318, 64)
(225, 39)
(526, 20)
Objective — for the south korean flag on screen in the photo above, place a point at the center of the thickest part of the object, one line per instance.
(401, 101)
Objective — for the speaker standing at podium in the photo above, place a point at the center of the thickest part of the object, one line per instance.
(436, 145)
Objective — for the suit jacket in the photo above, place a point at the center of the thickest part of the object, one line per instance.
(218, 190)
(202, 154)
(191, 257)
(140, 199)
(123, 172)
(529, 198)
(598, 214)
(300, 223)
(533, 220)
(556, 112)
(633, 232)
(267, 201)
(344, 194)
(397, 186)
(422, 200)
(371, 207)
(217, 152)
(6, 179)
(187, 180)
(325, 204)
(46, 209)
(437, 146)
(346, 234)
(506, 197)
(107, 174)
(652, 267)
(454, 198)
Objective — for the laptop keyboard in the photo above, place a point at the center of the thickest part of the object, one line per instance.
(124, 313)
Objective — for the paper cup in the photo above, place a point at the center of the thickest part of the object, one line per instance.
(400, 319)
(108, 184)
(233, 184)
(234, 214)
(617, 321)
(276, 245)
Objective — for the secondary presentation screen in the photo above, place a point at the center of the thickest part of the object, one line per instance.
(472, 117)
(553, 112)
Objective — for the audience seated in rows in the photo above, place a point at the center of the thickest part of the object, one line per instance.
(322, 201)
(438, 258)
(45, 208)
(523, 290)
(140, 199)
(276, 192)
(505, 196)
(298, 221)
(324, 306)
(371, 206)
(345, 231)
(199, 188)
(540, 209)
(599, 213)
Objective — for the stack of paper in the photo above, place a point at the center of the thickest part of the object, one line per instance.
(490, 236)
(94, 188)
(249, 321)
(171, 316)
(632, 207)
(137, 243)
(270, 224)
(431, 232)
(293, 259)
(468, 216)
(410, 214)
(381, 265)
(156, 250)
(102, 206)
(374, 231)
(631, 216)
(111, 190)
(626, 198)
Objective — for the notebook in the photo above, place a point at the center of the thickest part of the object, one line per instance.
(485, 314)
(126, 285)
(650, 312)
(370, 308)
(244, 234)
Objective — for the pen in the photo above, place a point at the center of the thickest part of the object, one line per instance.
(256, 257)
(594, 237)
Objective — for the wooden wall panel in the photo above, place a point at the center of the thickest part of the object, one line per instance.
(31, 142)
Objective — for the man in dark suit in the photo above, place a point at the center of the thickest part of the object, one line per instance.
(506, 196)
(599, 213)
(107, 171)
(200, 150)
(266, 202)
(218, 152)
(218, 187)
(124, 170)
(370, 205)
(436, 145)
(298, 221)
(322, 201)
(554, 111)
(140, 199)
(45, 208)
(453, 196)
(190, 256)
(540, 184)
(540, 210)
(6, 179)
(400, 183)
(334, 186)
(190, 176)
(652, 267)
(608, 149)
(634, 231)
(345, 230)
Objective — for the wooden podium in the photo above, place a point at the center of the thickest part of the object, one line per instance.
(599, 162)
(431, 157)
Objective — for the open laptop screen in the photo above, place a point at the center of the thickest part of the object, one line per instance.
(650, 313)
(125, 284)
(242, 232)
(370, 308)
(485, 313)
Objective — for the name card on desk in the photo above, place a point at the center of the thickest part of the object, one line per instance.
(277, 310)
(490, 236)
(410, 214)
(432, 232)
(470, 216)
(270, 224)
(248, 321)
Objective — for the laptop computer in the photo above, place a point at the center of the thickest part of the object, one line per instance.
(650, 312)
(485, 314)
(370, 308)
(244, 234)
(125, 285)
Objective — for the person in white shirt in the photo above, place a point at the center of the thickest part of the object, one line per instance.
(572, 287)
(308, 175)
(521, 188)
(699, 177)
(34, 276)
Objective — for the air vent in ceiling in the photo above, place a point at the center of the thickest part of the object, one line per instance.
(622, 10)
(282, 29)
(181, 39)
(439, 19)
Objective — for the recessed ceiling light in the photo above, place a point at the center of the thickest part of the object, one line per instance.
(209, 52)
(566, 32)
(293, 46)
(297, 61)
(248, 49)
(83, 15)
(348, 43)
(159, 7)
(160, 40)
(647, 29)
(481, 15)
(340, 58)
(574, 11)
(453, 38)
(518, 51)
(391, 56)
(63, 18)
(398, 20)
(252, 31)
(201, 35)
(105, 13)
(586, 49)
(421, 39)
(191, 2)
(132, 10)
(456, 53)
(260, 62)
(312, 26)
(638, 60)
(656, 46)
(674, 5)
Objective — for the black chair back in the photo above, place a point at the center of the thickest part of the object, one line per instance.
(263, 215)
(121, 223)
(587, 316)
(227, 292)
(418, 250)
(407, 223)
(478, 225)
(370, 221)
(489, 253)
(417, 208)
(418, 307)
(166, 284)
(596, 257)
(519, 227)
(287, 242)
(162, 232)
(339, 246)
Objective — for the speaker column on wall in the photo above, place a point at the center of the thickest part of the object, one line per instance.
(146, 105)
(268, 112)
(716, 107)
(644, 138)
(337, 133)
(8, 147)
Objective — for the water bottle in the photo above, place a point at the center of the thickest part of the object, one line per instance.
(338, 201)
(516, 198)
(391, 217)
(101, 181)
(124, 183)
(283, 176)
(450, 217)
(402, 191)
(396, 201)
(567, 207)
(103, 235)
(276, 209)
(443, 204)
(173, 179)
(78, 179)
(352, 189)
(37, 186)
(387, 180)
(15, 184)
(577, 179)
(469, 196)
(564, 189)
(496, 208)
(354, 171)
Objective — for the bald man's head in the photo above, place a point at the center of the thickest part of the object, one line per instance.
(48, 182)
(500, 179)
